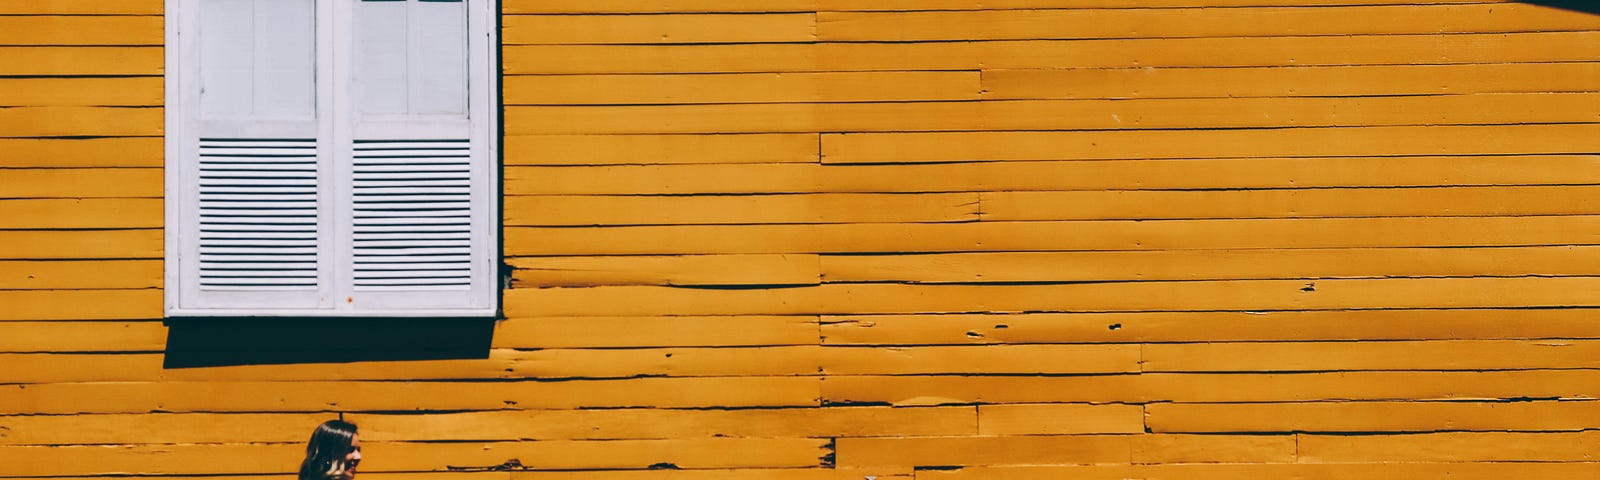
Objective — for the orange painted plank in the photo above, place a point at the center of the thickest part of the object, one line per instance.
(952, 451)
(1081, 23)
(380, 456)
(1298, 203)
(610, 424)
(668, 362)
(93, 152)
(513, 7)
(140, 367)
(81, 213)
(81, 7)
(1241, 295)
(664, 331)
(470, 475)
(657, 29)
(80, 244)
(988, 359)
(105, 274)
(658, 149)
(163, 428)
(830, 473)
(665, 270)
(1291, 81)
(1460, 471)
(1054, 176)
(1054, 236)
(1484, 109)
(81, 60)
(1028, 54)
(81, 182)
(1425, 355)
(351, 396)
(1159, 449)
(1301, 142)
(80, 304)
(1451, 447)
(82, 336)
(87, 91)
(1210, 264)
(1059, 419)
(739, 88)
(984, 329)
(814, 208)
(903, 5)
(81, 121)
(1373, 416)
(81, 30)
(1273, 387)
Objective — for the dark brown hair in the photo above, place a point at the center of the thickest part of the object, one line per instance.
(330, 442)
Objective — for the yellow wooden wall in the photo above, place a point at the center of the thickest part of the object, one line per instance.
(909, 239)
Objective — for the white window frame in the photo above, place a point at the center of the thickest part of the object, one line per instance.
(333, 78)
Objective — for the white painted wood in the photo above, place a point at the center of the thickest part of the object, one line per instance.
(401, 143)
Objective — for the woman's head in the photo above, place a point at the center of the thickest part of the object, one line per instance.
(333, 452)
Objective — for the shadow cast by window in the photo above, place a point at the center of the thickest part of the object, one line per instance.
(215, 342)
(1591, 6)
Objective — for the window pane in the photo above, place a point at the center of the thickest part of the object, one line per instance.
(257, 57)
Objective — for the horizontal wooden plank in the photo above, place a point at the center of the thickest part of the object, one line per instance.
(540, 425)
(1020, 54)
(1211, 113)
(984, 329)
(82, 336)
(1239, 295)
(658, 149)
(1153, 387)
(150, 367)
(1059, 419)
(81, 60)
(1297, 203)
(81, 213)
(669, 362)
(739, 88)
(916, 5)
(1460, 471)
(1053, 176)
(1414, 355)
(81, 30)
(829, 473)
(82, 7)
(81, 121)
(92, 152)
(349, 396)
(955, 451)
(80, 274)
(402, 456)
(82, 91)
(1450, 447)
(1290, 81)
(1210, 264)
(80, 244)
(669, 210)
(513, 7)
(1129, 144)
(81, 304)
(1373, 416)
(1159, 449)
(459, 475)
(664, 331)
(665, 270)
(1054, 236)
(988, 359)
(1084, 23)
(81, 182)
(570, 29)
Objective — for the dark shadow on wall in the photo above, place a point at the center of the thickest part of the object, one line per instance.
(1591, 6)
(215, 342)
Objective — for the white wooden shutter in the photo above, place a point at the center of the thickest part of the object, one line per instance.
(331, 157)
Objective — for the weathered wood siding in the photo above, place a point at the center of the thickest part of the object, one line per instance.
(932, 239)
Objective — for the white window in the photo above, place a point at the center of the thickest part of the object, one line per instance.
(331, 158)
